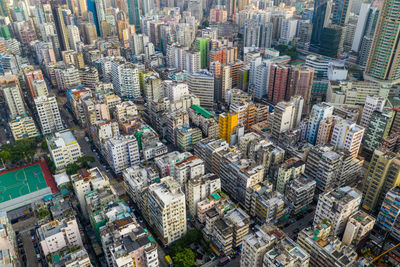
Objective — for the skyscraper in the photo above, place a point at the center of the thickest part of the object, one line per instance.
(202, 46)
(61, 27)
(341, 9)
(302, 82)
(134, 13)
(384, 58)
(279, 82)
(322, 10)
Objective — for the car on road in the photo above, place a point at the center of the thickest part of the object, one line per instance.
(32, 231)
(33, 239)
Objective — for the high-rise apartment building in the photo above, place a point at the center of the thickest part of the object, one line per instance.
(23, 127)
(378, 128)
(347, 135)
(318, 113)
(283, 118)
(49, 114)
(14, 100)
(226, 125)
(289, 170)
(323, 165)
(63, 148)
(383, 174)
(326, 248)
(122, 152)
(201, 84)
(372, 103)
(279, 83)
(125, 79)
(260, 249)
(384, 58)
(357, 228)
(388, 218)
(85, 181)
(300, 193)
(199, 189)
(167, 209)
(302, 82)
(337, 206)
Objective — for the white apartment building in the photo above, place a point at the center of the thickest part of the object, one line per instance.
(40, 88)
(23, 127)
(58, 234)
(372, 103)
(192, 61)
(126, 243)
(63, 148)
(188, 168)
(283, 118)
(174, 91)
(167, 209)
(288, 30)
(67, 78)
(85, 181)
(73, 36)
(337, 206)
(348, 136)
(269, 246)
(14, 100)
(358, 227)
(125, 110)
(125, 79)
(79, 258)
(166, 163)
(49, 114)
(122, 152)
(289, 170)
(199, 189)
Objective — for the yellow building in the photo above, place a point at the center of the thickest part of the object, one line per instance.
(383, 174)
(23, 127)
(226, 124)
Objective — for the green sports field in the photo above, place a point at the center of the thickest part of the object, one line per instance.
(21, 182)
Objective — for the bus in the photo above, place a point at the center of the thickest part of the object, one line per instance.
(168, 260)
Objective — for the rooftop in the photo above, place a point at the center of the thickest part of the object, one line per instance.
(202, 111)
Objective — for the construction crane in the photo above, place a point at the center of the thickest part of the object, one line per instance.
(387, 251)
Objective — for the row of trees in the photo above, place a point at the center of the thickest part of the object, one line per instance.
(23, 149)
(81, 163)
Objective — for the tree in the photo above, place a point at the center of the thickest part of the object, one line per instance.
(4, 155)
(185, 258)
(44, 145)
(72, 168)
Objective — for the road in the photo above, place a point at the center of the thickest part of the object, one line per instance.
(300, 224)
(24, 228)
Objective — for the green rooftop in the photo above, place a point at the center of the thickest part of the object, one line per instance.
(202, 111)
(216, 196)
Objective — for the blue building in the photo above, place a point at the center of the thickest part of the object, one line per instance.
(319, 112)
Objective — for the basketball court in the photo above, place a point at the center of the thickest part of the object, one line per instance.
(21, 182)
